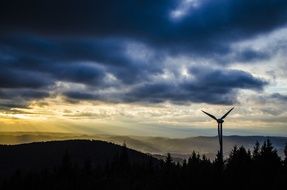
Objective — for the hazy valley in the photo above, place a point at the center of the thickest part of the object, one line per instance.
(157, 146)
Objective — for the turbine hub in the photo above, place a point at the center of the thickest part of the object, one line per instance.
(220, 120)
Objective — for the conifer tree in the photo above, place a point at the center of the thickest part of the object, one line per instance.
(168, 160)
(256, 151)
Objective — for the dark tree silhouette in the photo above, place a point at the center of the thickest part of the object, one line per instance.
(168, 161)
(238, 163)
(256, 151)
(242, 170)
(267, 165)
(269, 156)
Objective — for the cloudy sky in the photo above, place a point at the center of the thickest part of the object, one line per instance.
(143, 67)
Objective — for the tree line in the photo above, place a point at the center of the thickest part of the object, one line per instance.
(259, 168)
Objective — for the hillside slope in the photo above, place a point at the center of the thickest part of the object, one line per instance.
(40, 155)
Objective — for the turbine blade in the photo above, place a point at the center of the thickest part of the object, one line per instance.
(227, 113)
(212, 116)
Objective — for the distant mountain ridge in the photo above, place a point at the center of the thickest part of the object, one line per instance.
(180, 148)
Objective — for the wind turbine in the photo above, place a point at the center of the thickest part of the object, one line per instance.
(219, 129)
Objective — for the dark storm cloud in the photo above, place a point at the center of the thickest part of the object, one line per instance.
(64, 49)
(86, 16)
(214, 87)
(210, 26)
(56, 59)
(38, 63)
(46, 41)
(81, 95)
(18, 98)
(249, 55)
(22, 93)
(68, 59)
(13, 78)
(215, 79)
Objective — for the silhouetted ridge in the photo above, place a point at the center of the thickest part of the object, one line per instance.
(39, 155)
(87, 165)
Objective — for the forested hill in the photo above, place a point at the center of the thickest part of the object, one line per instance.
(87, 165)
(48, 155)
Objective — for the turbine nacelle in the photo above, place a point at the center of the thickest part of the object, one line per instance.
(220, 120)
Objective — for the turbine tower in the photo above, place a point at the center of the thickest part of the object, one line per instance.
(219, 129)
